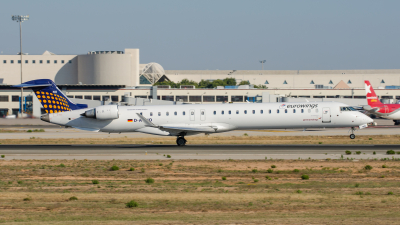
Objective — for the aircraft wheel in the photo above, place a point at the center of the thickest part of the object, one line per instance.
(352, 136)
(180, 141)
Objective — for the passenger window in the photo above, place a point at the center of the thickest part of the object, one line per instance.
(294, 110)
(183, 113)
(285, 110)
(222, 112)
(309, 110)
(277, 111)
(302, 110)
(140, 113)
(151, 114)
(167, 113)
(175, 113)
(192, 113)
(245, 111)
(202, 112)
(237, 111)
(254, 111)
(159, 114)
(269, 111)
(215, 112)
(229, 112)
(261, 111)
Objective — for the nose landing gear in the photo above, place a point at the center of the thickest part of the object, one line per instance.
(181, 141)
(352, 135)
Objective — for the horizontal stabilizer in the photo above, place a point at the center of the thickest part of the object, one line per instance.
(31, 85)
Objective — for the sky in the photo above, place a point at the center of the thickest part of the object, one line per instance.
(214, 34)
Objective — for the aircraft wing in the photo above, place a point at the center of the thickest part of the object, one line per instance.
(179, 128)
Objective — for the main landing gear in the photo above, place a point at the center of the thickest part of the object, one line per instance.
(352, 135)
(181, 141)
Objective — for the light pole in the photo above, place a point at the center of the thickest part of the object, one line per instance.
(262, 63)
(20, 19)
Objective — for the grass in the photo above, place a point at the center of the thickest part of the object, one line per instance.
(192, 192)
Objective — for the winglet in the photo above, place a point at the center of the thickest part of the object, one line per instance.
(147, 122)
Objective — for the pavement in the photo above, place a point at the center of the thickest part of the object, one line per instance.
(211, 152)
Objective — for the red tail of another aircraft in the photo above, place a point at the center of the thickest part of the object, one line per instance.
(371, 96)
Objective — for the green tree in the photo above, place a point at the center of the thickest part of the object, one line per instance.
(244, 82)
(218, 82)
(187, 82)
(205, 84)
(230, 81)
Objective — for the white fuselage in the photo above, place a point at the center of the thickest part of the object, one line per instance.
(222, 117)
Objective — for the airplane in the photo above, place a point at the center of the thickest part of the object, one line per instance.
(376, 107)
(190, 119)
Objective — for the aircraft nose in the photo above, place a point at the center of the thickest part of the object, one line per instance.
(367, 119)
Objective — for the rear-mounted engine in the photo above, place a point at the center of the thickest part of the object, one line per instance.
(104, 112)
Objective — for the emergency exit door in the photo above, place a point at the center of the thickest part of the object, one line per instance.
(326, 115)
(192, 115)
(202, 114)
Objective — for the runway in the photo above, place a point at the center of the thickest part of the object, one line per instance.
(159, 152)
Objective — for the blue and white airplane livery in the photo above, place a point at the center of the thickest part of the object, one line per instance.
(191, 119)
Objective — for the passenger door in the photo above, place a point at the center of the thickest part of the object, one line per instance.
(326, 115)
(192, 115)
(202, 114)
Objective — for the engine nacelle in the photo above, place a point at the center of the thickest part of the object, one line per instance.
(104, 112)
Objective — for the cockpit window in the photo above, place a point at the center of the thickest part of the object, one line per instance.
(347, 108)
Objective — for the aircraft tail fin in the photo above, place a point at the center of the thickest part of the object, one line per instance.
(52, 99)
(371, 96)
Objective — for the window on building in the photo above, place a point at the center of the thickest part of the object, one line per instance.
(19, 61)
(88, 97)
(4, 61)
(195, 98)
(55, 61)
(3, 98)
(62, 61)
(208, 98)
(183, 98)
(266, 82)
(312, 82)
(15, 98)
(70, 61)
(3, 112)
(175, 113)
(261, 111)
(96, 97)
(78, 96)
(167, 97)
(26, 61)
(237, 111)
(330, 82)
(236, 98)
(382, 81)
(114, 98)
(71, 96)
(222, 112)
(284, 82)
(11, 61)
(15, 111)
(141, 96)
(48, 61)
(215, 112)
(245, 111)
(106, 98)
(40, 61)
(222, 98)
(349, 82)
(33, 61)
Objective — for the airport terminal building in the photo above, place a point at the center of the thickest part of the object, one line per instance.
(118, 75)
